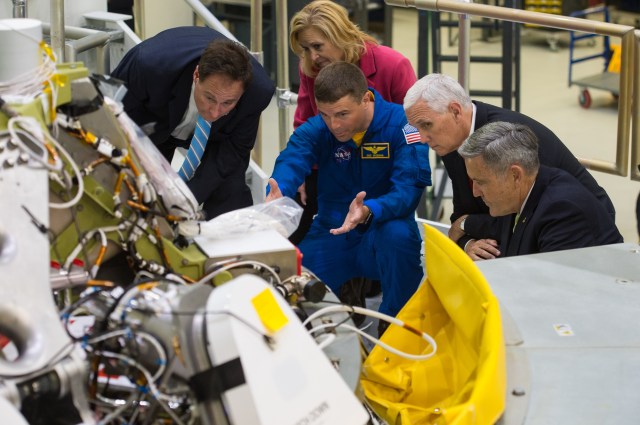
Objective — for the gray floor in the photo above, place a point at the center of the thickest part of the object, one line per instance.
(589, 133)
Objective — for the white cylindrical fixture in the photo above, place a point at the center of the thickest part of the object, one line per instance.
(20, 46)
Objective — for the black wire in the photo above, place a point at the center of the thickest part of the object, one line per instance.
(267, 338)
(74, 217)
(65, 313)
(39, 225)
(101, 326)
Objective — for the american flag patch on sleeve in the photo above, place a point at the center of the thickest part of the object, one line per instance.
(411, 134)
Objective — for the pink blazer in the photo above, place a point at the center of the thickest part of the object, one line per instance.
(387, 71)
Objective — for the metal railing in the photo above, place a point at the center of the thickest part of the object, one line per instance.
(628, 110)
(211, 21)
(84, 39)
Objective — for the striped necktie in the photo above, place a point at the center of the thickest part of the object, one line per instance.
(196, 149)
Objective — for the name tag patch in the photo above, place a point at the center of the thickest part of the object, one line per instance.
(375, 151)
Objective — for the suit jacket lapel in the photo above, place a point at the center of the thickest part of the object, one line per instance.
(481, 115)
(507, 242)
(528, 211)
(517, 231)
(180, 98)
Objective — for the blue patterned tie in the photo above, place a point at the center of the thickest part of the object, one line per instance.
(196, 149)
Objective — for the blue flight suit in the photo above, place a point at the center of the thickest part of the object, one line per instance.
(393, 173)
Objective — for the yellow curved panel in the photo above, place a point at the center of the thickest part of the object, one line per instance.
(465, 382)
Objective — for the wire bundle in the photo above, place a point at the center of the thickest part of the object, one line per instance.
(26, 80)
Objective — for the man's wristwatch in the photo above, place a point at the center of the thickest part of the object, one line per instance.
(367, 221)
(462, 223)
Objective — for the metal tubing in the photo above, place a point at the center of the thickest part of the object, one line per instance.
(464, 40)
(508, 30)
(620, 167)
(209, 19)
(70, 280)
(256, 26)
(518, 63)
(76, 33)
(103, 61)
(426, 27)
(282, 68)
(98, 41)
(57, 29)
(138, 21)
(475, 59)
(256, 49)
(19, 8)
(628, 70)
(635, 105)
(517, 15)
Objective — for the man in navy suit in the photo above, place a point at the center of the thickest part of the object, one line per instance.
(182, 73)
(541, 209)
(445, 116)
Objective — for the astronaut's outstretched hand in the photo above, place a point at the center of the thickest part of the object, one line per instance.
(274, 190)
(358, 213)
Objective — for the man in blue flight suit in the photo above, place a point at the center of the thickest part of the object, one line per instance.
(371, 173)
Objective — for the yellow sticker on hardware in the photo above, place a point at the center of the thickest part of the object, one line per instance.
(269, 311)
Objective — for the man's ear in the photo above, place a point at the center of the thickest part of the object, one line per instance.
(517, 172)
(456, 109)
(196, 74)
(366, 97)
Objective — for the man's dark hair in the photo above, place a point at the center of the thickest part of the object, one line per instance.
(226, 57)
(338, 80)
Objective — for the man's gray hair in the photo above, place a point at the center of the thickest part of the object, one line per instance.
(438, 90)
(502, 144)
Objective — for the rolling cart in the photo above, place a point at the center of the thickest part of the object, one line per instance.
(554, 7)
(608, 80)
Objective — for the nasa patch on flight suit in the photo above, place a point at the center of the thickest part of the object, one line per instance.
(375, 151)
(342, 154)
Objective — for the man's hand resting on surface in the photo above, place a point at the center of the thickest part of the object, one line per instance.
(482, 249)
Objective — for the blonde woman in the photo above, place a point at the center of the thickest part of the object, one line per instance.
(321, 33)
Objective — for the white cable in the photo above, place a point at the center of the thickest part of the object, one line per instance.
(375, 314)
(30, 129)
(152, 386)
(349, 309)
(30, 83)
(214, 273)
(328, 340)
(72, 256)
(78, 175)
(103, 243)
(416, 357)
(116, 413)
(147, 337)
